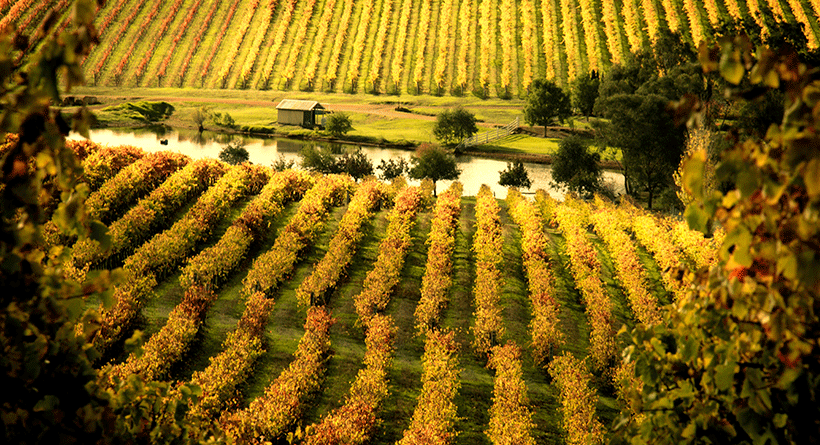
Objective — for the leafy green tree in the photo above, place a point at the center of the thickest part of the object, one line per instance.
(453, 126)
(318, 160)
(281, 164)
(323, 160)
(515, 175)
(433, 163)
(737, 358)
(355, 164)
(223, 119)
(201, 115)
(234, 153)
(338, 124)
(546, 104)
(576, 168)
(585, 92)
(651, 143)
(392, 168)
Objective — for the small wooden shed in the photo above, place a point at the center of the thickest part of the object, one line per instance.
(299, 112)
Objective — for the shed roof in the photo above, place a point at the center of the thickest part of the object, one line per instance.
(302, 105)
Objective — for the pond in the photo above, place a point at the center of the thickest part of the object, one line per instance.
(475, 171)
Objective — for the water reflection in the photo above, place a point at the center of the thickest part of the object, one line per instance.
(475, 171)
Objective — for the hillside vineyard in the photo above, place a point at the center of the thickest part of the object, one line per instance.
(483, 47)
(371, 312)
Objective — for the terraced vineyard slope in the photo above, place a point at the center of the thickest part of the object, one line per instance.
(487, 47)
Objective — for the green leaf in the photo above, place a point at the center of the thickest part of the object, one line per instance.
(811, 177)
(724, 376)
(696, 217)
(787, 266)
(731, 69)
(99, 233)
(48, 403)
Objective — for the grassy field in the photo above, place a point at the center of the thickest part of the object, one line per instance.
(377, 121)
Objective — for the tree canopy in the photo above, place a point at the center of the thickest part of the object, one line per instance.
(433, 163)
(576, 168)
(338, 124)
(546, 104)
(452, 126)
(234, 153)
(515, 175)
(324, 160)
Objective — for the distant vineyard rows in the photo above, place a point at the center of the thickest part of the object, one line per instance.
(202, 242)
(485, 47)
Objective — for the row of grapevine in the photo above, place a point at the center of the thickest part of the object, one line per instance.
(285, 18)
(119, 193)
(259, 35)
(380, 281)
(319, 42)
(546, 337)
(355, 420)
(422, 28)
(443, 43)
(487, 33)
(268, 417)
(655, 239)
(436, 413)
(628, 266)
(163, 253)
(651, 17)
(331, 72)
(149, 214)
(671, 15)
(510, 417)
(14, 13)
(183, 28)
(466, 27)
(169, 17)
(342, 247)
(239, 32)
(195, 44)
(112, 42)
(507, 28)
(353, 423)
(220, 35)
(359, 40)
(378, 53)
(586, 269)
(695, 23)
(802, 18)
(437, 273)
(549, 17)
(301, 30)
(578, 401)
(612, 29)
(269, 269)
(528, 42)
(487, 245)
(590, 21)
(397, 64)
(700, 250)
(205, 271)
(136, 39)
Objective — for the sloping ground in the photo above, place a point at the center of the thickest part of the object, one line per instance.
(496, 47)
(347, 347)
